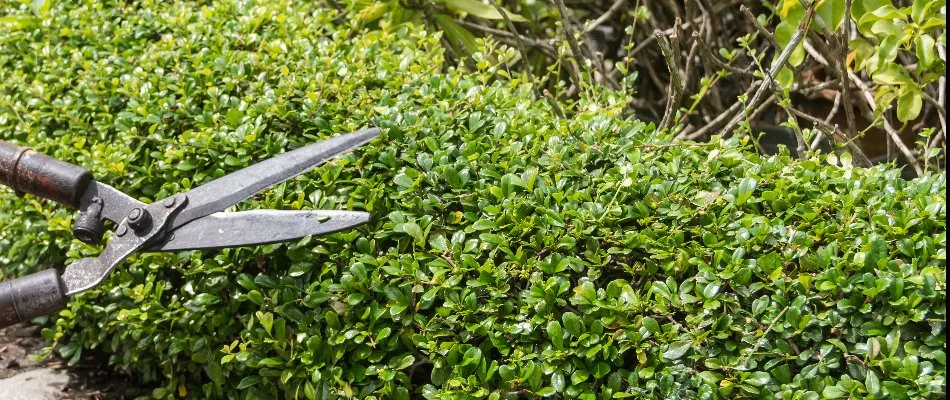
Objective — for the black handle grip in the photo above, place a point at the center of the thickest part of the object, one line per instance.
(31, 296)
(27, 171)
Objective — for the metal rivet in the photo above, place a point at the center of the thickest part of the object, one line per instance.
(121, 230)
(169, 202)
(139, 219)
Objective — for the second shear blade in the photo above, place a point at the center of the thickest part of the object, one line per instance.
(256, 227)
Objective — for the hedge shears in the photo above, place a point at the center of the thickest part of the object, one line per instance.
(192, 220)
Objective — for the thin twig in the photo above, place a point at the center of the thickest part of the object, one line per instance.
(755, 115)
(942, 96)
(834, 132)
(546, 48)
(764, 334)
(576, 54)
(817, 142)
(649, 39)
(834, 108)
(891, 132)
(524, 57)
(671, 52)
(712, 58)
(762, 31)
(851, 129)
(776, 67)
(941, 105)
(848, 136)
(606, 16)
(723, 117)
(936, 103)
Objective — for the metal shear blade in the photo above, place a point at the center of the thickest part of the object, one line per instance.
(194, 219)
(248, 228)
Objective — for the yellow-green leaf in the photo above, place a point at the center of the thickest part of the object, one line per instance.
(925, 50)
(481, 10)
(461, 39)
(892, 74)
(909, 104)
(831, 12)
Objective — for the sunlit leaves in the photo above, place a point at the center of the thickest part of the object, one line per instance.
(510, 253)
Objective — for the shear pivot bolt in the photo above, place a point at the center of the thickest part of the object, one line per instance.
(140, 219)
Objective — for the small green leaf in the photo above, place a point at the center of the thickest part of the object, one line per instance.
(895, 390)
(483, 224)
(403, 180)
(185, 165)
(413, 229)
(573, 324)
(601, 369)
(783, 33)
(255, 297)
(651, 325)
(248, 382)
(403, 362)
(871, 383)
(745, 190)
(558, 381)
(266, 319)
(438, 242)
(833, 392)
(676, 350)
(831, 13)
(920, 8)
(710, 377)
(472, 356)
(18, 22)
(556, 334)
(782, 373)
(759, 378)
(234, 117)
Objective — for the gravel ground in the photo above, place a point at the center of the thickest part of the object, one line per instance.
(23, 378)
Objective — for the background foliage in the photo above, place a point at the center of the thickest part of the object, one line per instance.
(514, 252)
(865, 76)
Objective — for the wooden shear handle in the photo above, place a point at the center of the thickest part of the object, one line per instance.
(27, 171)
(31, 296)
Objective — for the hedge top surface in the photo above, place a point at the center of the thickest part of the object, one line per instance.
(511, 254)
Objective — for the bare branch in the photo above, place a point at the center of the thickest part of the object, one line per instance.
(646, 42)
(776, 66)
(762, 31)
(671, 52)
(617, 6)
(851, 130)
(891, 132)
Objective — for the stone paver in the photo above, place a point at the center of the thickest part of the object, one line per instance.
(39, 384)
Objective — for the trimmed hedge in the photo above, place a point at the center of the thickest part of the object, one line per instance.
(511, 254)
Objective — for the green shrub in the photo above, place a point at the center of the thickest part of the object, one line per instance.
(511, 254)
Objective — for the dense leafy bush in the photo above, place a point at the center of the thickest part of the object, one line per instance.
(511, 253)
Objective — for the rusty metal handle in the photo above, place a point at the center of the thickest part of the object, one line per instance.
(31, 296)
(27, 171)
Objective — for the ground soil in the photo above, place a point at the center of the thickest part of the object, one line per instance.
(90, 378)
